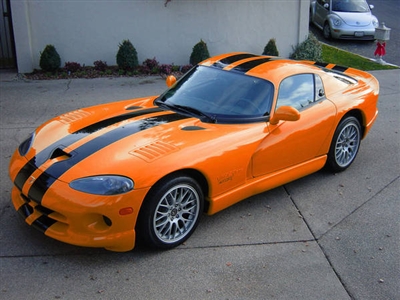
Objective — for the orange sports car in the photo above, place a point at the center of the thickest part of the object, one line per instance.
(235, 125)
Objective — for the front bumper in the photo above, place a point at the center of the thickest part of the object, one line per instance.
(83, 220)
(353, 33)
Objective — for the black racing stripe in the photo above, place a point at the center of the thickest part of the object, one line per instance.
(105, 123)
(24, 174)
(321, 64)
(40, 186)
(47, 178)
(43, 223)
(340, 68)
(232, 59)
(30, 167)
(25, 210)
(43, 210)
(247, 66)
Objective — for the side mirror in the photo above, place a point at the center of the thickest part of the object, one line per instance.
(371, 6)
(285, 113)
(170, 81)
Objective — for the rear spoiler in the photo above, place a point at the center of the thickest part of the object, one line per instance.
(351, 74)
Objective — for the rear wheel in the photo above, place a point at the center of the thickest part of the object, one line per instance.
(171, 212)
(345, 144)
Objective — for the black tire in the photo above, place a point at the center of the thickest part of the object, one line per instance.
(171, 212)
(326, 30)
(345, 144)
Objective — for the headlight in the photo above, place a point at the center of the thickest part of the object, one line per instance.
(103, 185)
(375, 22)
(26, 145)
(337, 22)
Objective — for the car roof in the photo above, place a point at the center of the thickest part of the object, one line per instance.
(271, 68)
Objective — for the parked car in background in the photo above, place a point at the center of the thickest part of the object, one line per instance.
(344, 19)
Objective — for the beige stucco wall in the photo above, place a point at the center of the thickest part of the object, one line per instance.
(88, 30)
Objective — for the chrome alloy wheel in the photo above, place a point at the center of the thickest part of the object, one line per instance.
(347, 144)
(176, 213)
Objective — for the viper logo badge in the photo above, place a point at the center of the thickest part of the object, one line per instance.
(31, 180)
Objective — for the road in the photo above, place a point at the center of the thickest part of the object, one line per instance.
(387, 11)
(325, 236)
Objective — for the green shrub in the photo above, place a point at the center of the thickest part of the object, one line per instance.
(310, 49)
(127, 56)
(175, 68)
(49, 59)
(199, 53)
(271, 49)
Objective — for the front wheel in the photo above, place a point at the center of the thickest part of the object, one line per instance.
(171, 212)
(327, 31)
(345, 144)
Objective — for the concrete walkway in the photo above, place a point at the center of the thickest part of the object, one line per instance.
(325, 236)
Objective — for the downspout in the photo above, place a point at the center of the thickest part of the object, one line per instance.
(22, 35)
(304, 10)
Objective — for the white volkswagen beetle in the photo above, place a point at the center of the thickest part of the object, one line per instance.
(344, 19)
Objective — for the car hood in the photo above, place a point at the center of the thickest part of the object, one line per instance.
(355, 19)
(128, 138)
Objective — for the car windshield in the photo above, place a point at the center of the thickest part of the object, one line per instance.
(350, 6)
(218, 95)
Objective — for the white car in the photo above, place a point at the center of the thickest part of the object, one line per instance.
(344, 19)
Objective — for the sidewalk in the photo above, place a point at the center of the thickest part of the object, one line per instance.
(325, 236)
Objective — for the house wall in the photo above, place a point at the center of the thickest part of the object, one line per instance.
(90, 30)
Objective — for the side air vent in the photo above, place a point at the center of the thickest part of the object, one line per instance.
(154, 151)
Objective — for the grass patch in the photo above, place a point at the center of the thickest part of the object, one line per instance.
(344, 58)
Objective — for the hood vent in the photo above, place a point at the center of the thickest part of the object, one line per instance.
(154, 151)
(76, 115)
(60, 153)
(192, 128)
(133, 107)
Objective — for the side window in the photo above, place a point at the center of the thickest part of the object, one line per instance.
(319, 88)
(297, 91)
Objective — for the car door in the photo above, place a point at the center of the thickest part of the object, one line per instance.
(321, 12)
(290, 143)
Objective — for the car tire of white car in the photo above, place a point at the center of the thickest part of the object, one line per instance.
(327, 31)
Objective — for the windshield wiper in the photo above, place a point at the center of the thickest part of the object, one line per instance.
(196, 112)
(187, 109)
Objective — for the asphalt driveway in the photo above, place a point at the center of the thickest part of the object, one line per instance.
(325, 236)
